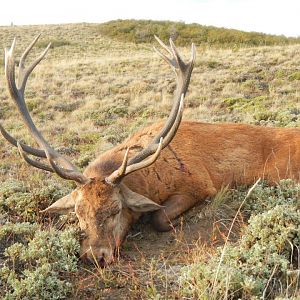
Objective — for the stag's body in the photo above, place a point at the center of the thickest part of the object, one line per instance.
(203, 158)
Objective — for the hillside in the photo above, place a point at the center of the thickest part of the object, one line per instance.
(91, 92)
(142, 31)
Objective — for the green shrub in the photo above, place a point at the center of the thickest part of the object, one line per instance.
(38, 264)
(263, 253)
(265, 197)
(280, 118)
(212, 64)
(20, 201)
(55, 43)
(106, 115)
(67, 107)
(247, 104)
(115, 134)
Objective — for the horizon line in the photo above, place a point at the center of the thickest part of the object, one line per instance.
(12, 24)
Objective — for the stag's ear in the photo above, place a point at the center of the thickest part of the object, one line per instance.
(137, 202)
(61, 206)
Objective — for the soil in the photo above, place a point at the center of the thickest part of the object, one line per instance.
(169, 251)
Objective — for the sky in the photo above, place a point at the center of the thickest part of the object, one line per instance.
(268, 16)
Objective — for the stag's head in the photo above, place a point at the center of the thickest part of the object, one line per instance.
(105, 206)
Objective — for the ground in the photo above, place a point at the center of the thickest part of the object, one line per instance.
(148, 255)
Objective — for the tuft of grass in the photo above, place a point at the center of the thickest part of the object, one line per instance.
(294, 76)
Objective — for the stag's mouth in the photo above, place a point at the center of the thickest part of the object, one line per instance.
(100, 262)
(99, 257)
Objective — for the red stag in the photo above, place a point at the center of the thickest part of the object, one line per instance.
(164, 168)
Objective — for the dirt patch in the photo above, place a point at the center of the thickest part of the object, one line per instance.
(148, 258)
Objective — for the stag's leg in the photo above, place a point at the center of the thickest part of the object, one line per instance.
(166, 218)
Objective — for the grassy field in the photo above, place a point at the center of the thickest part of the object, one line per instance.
(89, 94)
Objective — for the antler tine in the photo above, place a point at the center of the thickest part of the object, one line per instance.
(26, 52)
(120, 172)
(183, 72)
(25, 148)
(32, 162)
(24, 73)
(193, 54)
(164, 57)
(146, 163)
(176, 54)
(69, 171)
(163, 45)
(23, 58)
(117, 175)
(124, 170)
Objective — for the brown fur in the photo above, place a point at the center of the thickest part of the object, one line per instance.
(204, 157)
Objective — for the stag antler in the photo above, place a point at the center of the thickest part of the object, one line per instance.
(183, 73)
(67, 170)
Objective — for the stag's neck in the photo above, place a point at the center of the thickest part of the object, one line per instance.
(111, 160)
(105, 164)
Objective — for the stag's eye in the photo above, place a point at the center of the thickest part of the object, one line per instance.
(115, 212)
(82, 235)
(112, 213)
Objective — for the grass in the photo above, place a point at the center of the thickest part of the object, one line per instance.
(90, 93)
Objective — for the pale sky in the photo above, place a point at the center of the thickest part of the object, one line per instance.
(269, 16)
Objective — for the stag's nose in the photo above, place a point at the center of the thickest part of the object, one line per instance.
(100, 257)
(101, 262)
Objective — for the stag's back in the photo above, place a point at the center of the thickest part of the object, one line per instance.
(215, 155)
(239, 153)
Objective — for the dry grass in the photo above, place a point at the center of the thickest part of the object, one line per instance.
(98, 87)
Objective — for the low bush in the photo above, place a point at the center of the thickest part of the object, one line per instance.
(19, 201)
(37, 262)
(264, 262)
(54, 43)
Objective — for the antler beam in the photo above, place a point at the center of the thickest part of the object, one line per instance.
(183, 73)
(67, 170)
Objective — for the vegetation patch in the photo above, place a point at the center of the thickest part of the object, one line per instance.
(294, 76)
(264, 263)
(37, 263)
(246, 104)
(55, 43)
(280, 118)
(106, 115)
(22, 202)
